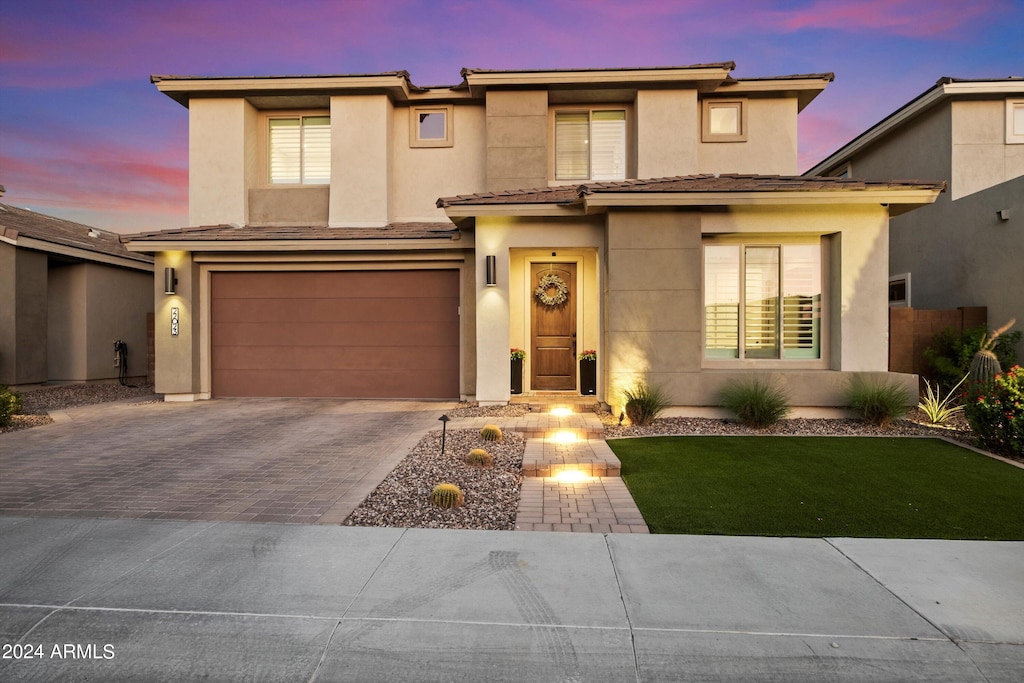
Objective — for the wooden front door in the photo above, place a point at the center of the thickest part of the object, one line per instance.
(553, 322)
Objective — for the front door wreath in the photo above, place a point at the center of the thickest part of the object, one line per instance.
(552, 282)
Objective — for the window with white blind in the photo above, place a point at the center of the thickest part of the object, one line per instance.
(762, 302)
(300, 150)
(590, 145)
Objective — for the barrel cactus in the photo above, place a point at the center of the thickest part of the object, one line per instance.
(447, 496)
(478, 457)
(491, 433)
(985, 364)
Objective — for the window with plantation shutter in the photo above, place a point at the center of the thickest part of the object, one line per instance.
(300, 150)
(762, 302)
(590, 145)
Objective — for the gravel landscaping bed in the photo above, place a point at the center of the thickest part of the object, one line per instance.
(476, 410)
(37, 402)
(491, 493)
(913, 425)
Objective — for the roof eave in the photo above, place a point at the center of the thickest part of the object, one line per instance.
(712, 74)
(183, 88)
(926, 100)
(458, 211)
(888, 196)
(211, 245)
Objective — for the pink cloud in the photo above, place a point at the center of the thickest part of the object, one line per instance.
(909, 18)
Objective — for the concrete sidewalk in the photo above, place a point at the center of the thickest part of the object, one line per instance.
(176, 600)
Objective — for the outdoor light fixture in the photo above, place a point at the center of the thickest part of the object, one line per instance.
(561, 412)
(492, 270)
(169, 281)
(1004, 214)
(444, 427)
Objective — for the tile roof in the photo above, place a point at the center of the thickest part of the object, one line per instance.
(15, 223)
(230, 233)
(718, 183)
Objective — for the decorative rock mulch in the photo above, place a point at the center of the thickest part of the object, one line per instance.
(476, 410)
(491, 493)
(913, 425)
(36, 402)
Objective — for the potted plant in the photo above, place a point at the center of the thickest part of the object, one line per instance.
(588, 372)
(517, 356)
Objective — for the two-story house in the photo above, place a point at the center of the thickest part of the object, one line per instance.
(967, 249)
(651, 214)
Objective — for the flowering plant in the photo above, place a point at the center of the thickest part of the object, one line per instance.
(518, 354)
(589, 354)
(996, 413)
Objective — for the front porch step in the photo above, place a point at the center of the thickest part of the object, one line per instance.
(547, 400)
(549, 457)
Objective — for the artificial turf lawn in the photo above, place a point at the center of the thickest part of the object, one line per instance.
(821, 486)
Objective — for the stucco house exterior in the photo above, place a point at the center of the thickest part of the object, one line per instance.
(358, 235)
(67, 293)
(966, 249)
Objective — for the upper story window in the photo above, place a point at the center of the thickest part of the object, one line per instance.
(762, 301)
(590, 144)
(1014, 122)
(724, 121)
(431, 126)
(300, 150)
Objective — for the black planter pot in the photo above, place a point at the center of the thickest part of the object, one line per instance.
(588, 377)
(517, 375)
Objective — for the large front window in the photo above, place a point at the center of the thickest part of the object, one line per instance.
(762, 301)
(300, 150)
(590, 145)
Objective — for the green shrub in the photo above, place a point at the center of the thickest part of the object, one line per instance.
(644, 403)
(478, 457)
(10, 404)
(490, 433)
(950, 353)
(996, 415)
(447, 496)
(937, 408)
(878, 402)
(755, 402)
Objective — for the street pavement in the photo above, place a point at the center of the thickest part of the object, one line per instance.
(174, 600)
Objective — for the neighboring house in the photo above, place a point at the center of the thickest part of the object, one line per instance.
(652, 214)
(67, 293)
(967, 249)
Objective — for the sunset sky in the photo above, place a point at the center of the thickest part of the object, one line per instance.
(85, 136)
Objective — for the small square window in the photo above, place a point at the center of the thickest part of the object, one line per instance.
(899, 291)
(431, 126)
(724, 121)
(1014, 122)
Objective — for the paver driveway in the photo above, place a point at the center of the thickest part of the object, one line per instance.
(307, 461)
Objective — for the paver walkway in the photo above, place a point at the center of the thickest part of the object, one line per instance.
(571, 478)
(211, 460)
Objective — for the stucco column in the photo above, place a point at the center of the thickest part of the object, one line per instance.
(177, 346)
(492, 317)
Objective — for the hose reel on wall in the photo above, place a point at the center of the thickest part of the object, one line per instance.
(121, 362)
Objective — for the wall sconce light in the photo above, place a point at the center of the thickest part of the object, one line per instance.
(1004, 214)
(170, 281)
(492, 270)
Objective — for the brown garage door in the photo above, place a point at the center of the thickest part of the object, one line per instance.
(365, 334)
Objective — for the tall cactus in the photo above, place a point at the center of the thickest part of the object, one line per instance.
(985, 366)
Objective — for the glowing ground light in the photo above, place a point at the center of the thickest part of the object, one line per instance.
(571, 477)
(561, 412)
(564, 436)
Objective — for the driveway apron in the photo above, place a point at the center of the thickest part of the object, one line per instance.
(307, 461)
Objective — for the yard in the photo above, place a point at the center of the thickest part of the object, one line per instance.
(875, 487)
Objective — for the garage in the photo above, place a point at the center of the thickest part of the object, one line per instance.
(344, 334)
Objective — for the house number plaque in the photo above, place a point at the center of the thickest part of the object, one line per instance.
(174, 321)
